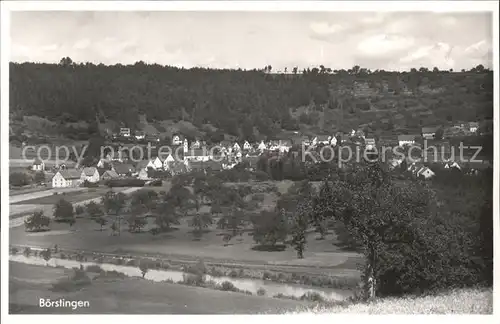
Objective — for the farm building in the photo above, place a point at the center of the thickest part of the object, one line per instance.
(38, 165)
(109, 175)
(67, 178)
(90, 174)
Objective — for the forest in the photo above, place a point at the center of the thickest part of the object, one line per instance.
(244, 103)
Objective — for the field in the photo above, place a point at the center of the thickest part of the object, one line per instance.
(130, 296)
(180, 243)
(463, 301)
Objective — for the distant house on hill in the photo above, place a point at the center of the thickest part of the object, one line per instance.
(38, 165)
(247, 146)
(177, 140)
(67, 178)
(369, 142)
(125, 132)
(123, 169)
(166, 162)
(90, 174)
(109, 175)
(262, 146)
(103, 163)
(429, 132)
(143, 165)
(197, 155)
(425, 173)
(404, 140)
(143, 174)
(473, 127)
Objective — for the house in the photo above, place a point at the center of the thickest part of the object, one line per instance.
(204, 166)
(225, 143)
(429, 132)
(143, 174)
(451, 165)
(90, 174)
(157, 163)
(262, 146)
(139, 135)
(38, 165)
(473, 127)
(236, 147)
(177, 140)
(116, 156)
(197, 155)
(344, 138)
(109, 175)
(404, 140)
(369, 142)
(273, 145)
(196, 144)
(123, 169)
(169, 159)
(425, 173)
(323, 139)
(333, 141)
(103, 163)
(247, 146)
(67, 179)
(285, 145)
(143, 165)
(125, 132)
(177, 167)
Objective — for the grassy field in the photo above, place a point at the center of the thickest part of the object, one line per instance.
(464, 301)
(180, 241)
(131, 296)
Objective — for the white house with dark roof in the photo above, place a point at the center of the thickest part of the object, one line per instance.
(67, 178)
(38, 165)
(157, 163)
(168, 160)
(429, 132)
(262, 146)
(473, 127)
(247, 146)
(197, 155)
(236, 147)
(405, 140)
(177, 140)
(90, 174)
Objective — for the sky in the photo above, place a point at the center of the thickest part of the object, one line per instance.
(247, 40)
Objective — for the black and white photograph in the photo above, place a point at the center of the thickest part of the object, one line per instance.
(249, 158)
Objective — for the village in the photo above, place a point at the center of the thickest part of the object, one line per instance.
(198, 156)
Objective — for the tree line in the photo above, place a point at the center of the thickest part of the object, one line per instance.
(241, 103)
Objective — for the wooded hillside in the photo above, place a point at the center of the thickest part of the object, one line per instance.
(234, 101)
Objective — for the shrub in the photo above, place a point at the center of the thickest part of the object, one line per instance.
(198, 269)
(89, 184)
(193, 280)
(228, 286)
(14, 250)
(125, 183)
(94, 268)
(261, 292)
(156, 183)
(27, 251)
(312, 296)
(19, 179)
(78, 280)
(233, 274)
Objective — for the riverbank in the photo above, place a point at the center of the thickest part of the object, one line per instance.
(131, 296)
(281, 274)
